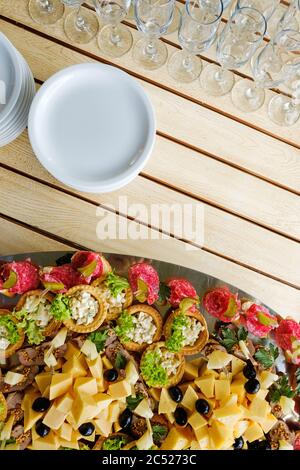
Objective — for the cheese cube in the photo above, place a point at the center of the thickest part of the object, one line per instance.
(260, 394)
(121, 389)
(131, 372)
(177, 439)
(96, 367)
(113, 411)
(65, 432)
(86, 385)
(54, 418)
(43, 380)
(75, 367)
(218, 359)
(253, 432)
(240, 428)
(231, 400)
(206, 385)
(202, 436)
(197, 421)
(228, 415)
(102, 426)
(267, 423)
(166, 404)
(259, 408)
(30, 417)
(106, 362)
(190, 371)
(189, 399)
(222, 389)
(267, 378)
(49, 442)
(143, 409)
(71, 351)
(238, 388)
(287, 405)
(102, 400)
(237, 365)
(155, 393)
(64, 403)
(84, 408)
(60, 384)
(220, 436)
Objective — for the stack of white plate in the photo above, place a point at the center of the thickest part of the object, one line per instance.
(17, 90)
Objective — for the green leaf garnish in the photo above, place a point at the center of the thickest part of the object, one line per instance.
(242, 334)
(159, 432)
(229, 338)
(33, 332)
(124, 326)
(267, 356)
(99, 338)
(281, 388)
(120, 361)
(132, 402)
(60, 308)
(114, 443)
(175, 341)
(12, 334)
(164, 292)
(152, 370)
(116, 284)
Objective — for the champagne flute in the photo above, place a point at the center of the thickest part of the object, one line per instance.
(197, 32)
(275, 63)
(81, 25)
(114, 39)
(153, 17)
(235, 46)
(46, 11)
(265, 7)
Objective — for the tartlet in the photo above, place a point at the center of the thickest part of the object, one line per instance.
(104, 291)
(12, 348)
(158, 323)
(53, 324)
(99, 317)
(3, 408)
(172, 379)
(99, 443)
(203, 336)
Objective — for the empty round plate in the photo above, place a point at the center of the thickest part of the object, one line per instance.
(92, 126)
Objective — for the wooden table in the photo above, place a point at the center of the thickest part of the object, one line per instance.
(243, 169)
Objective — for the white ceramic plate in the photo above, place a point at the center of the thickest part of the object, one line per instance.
(92, 126)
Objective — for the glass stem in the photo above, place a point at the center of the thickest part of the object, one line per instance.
(46, 5)
(115, 36)
(151, 48)
(219, 75)
(250, 93)
(187, 61)
(80, 22)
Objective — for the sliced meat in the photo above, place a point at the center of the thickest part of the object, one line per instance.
(112, 337)
(28, 372)
(280, 432)
(18, 414)
(24, 440)
(115, 348)
(35, 356)
(79, 340)
(14, 400)
(211, 346)
(17, 431)
(138, 427)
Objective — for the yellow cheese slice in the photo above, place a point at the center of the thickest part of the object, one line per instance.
(131, 372)
(231, 400)
(202, 436)
(267, 378)
(102, 426)
(259, 408)
(64, 403)
(220, 436)
(237, 365)
(197, 421)
(102, 400)
(113, 411)
(228, 415)
(75, 367)
(72, 351)
(49, 442)
(222, 389)
(30, 417)
(189, 399)
(68, 443)
(190, 371)
(253, 432)
(206, 385)
(240, 428)
(86, 385)
(166, 404)
(106, 362)
(84, 409)
(121, 389)
(143, 409)
(177, 439)
(96, 367)
(60, 384)
(43, 380)
(218, 359)
(54, 418)
(65, 432)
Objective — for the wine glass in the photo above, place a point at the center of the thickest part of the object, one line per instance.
(46, 11)
(235, 46)
(81, 25)
(275, 63)
(285, 18)
(153, 17)
(114, 39)
(197, 31)
(175, 21)
(265, 7)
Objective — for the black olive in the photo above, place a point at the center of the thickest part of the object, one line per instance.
(180, 416)
(249, 371)
(65, 259)
(125, 419)
(111, 375)
(202, 406)
(252, 386)
(176, 394)
(41, 404)
(238, 443)
(264, 445)
(41, 429)
(86, 429)
(254, 445)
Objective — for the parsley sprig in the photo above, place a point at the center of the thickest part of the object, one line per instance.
(99, 338)
(229, 337)
(281, 388)
(267, 356)
(132, 402)
(164, 292)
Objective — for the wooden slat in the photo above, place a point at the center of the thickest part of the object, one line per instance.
(65, 216)
(17, 239)
(260, 249)
(179, 118)
(174, 164)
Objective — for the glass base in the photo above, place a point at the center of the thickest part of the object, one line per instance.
(48, 14)
(247, 97)
(148, 60)
(175, 21)
(184, 69)
(115, 44)
(216, 81)
(81, 34)
(282, 112)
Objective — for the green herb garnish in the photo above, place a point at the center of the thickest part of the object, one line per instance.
(120, 361)
(164, 292)
(159, 432)
(125, 326)
(267, 356)
(175, 341)
(229, 338)
(33, 332)
(281, 388)
(152, 370)
(114, 443)
(60, 308)
(116, 284)
(99, 338)
(133, 402)
(11, 333)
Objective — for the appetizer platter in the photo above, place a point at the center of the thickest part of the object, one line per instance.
(112, 352)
